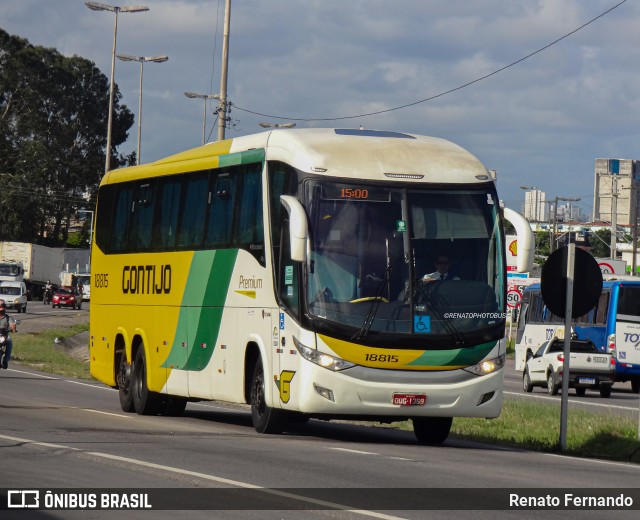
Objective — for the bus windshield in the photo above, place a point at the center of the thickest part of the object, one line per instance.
(377, 254)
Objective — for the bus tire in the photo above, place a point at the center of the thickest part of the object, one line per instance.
(124, 385)
(432, 430)
(265, 419)
(173, 406)
(635, 385)
(605, 391)
(145, 401)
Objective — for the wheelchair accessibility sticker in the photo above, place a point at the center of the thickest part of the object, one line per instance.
(421, 324)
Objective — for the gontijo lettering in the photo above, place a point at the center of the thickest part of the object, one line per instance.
(146, 279)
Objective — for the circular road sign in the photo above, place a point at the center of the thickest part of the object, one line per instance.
(587, 282)
(513, 298)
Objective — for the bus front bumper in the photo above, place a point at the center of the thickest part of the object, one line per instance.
(361, 392)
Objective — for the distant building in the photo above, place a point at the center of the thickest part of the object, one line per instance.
(619, 179)
(568, 212)
(535, 209)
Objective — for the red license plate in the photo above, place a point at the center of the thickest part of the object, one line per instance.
(410, 399)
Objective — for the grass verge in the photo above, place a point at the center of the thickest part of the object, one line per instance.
(522, 424)
(536, 426)
(38, 350)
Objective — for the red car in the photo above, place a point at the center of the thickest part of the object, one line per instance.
(66, 297)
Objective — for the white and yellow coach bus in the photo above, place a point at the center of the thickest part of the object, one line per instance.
(286, 270)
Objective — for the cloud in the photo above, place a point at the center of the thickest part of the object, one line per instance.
(542, 121)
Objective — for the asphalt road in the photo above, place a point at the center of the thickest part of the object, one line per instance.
(58, 432)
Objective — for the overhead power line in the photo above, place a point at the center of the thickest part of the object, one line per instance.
(441, 94)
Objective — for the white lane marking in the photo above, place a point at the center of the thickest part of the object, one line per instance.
(96, 386)
(31, 374)
(31, 441)
(355, 451)
(548, 398)
(591, 461)
(213, 478)
(100, 412)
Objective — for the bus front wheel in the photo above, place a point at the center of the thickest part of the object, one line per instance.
(124, 385)
(145, 401)
(265, 419)
(432, 430)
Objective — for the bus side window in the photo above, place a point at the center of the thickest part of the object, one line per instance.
(250, 227)
(192, 211)
(140, 233)
(166, 216)
(603, 308)
(121, 216)
(222, 201)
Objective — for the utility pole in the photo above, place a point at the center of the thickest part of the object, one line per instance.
(634, 226)
(222, 107)
(552, 245)
(614, 215)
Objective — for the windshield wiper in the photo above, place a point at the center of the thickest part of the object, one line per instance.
(376, 299)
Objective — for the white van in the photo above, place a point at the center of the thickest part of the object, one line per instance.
(15, 295)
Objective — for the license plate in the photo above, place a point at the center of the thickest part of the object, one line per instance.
(409, 399)
(587, 380)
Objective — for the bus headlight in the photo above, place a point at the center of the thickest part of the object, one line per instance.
(487, 366)
(321, 359)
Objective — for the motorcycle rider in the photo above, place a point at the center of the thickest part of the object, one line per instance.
(48, 293)
(9, 324)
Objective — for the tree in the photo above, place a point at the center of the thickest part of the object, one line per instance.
(600, 243)
(53, 121)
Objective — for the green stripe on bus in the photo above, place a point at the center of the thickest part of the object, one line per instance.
(202, 308)
(248, 157)
(458, 357)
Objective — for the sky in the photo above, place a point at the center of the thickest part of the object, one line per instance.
(541, 122)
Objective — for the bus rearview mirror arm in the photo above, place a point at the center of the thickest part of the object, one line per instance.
(298, 227)
(526, 242)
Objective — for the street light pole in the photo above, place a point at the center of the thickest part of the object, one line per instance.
(142, 60)
(96, 6)
(206, 97)
(222, 112)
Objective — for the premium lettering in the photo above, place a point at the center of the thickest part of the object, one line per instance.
(250, 283)
(146, 279)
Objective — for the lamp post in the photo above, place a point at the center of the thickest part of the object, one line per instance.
(142, 60)
(96, 6)
(206, 97)
(277, 125)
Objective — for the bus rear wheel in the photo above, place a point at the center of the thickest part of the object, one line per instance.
(265, 419)
(124, 385)
(145, 401)
(432, 430)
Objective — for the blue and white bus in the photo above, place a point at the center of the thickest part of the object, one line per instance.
(613, 325)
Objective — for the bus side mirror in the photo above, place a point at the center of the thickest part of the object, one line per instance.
(298, 227)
